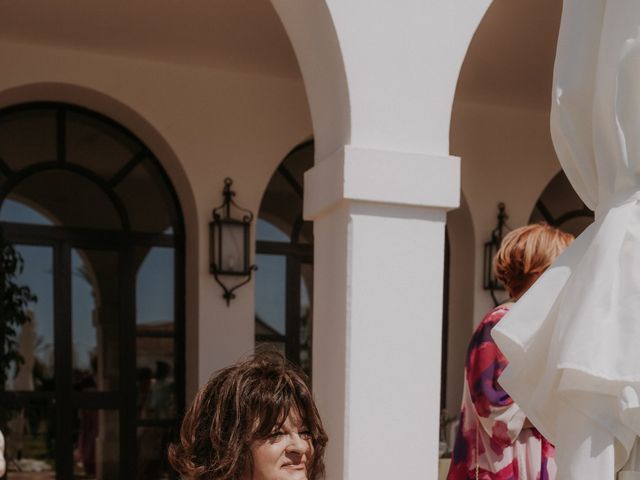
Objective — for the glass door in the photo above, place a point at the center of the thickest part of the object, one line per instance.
(64, 381)
(97, 391)
(92, 351)
(28, 416)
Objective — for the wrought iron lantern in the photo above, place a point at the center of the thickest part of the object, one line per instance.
(490, 282)
(229, 241)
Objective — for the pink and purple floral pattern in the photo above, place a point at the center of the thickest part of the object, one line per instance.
(492, 432)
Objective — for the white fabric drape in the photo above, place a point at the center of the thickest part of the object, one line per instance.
(573, 340)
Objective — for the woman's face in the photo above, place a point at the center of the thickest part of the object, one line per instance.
(286, 454)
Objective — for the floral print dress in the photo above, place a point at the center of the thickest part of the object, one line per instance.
(492, 441)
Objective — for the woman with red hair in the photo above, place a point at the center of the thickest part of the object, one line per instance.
(495, 441)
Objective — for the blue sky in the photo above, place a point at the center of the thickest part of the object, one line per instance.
(271, 280)
(154, 288)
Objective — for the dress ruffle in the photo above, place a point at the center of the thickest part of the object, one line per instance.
(574, 337)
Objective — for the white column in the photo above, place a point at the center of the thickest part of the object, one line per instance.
(379, 252)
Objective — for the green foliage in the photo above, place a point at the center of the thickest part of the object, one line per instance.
(15, 300)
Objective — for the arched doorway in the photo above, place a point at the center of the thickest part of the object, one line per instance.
(284, 255)
(99, 378)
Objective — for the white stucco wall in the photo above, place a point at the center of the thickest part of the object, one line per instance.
(204, 125)
(507, 156)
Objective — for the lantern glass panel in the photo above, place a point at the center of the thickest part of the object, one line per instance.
(232, 238)
(214, 240)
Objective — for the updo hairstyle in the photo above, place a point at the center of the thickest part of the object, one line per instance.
(525, 253)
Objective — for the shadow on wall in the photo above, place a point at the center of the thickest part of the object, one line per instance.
(460, 300)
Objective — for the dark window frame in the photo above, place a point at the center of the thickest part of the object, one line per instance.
(63, 240)
(296, 254)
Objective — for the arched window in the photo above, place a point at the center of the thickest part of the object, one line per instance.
(284, 251)
(560, 206)
(99, 380)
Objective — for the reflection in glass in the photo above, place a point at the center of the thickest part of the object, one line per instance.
(306, 315)
(155, 288)
(28, 137)
(70, 198)
(96, 440)
(156, 382)
(94, 144)
(299, 161)
(102, 165)
(142, 188)
(268, 232)
(270, 291)
(576, 226)
(94, 319)
(152, 460)
(18, 212)
(306, 233)
(283, 300)
(560, 206)
(281, 205)
(30, 443)
(34, 339)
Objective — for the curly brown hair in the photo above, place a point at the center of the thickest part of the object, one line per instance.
(525, 253)
(241, 404)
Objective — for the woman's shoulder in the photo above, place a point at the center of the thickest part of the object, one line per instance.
(495, 314)
(482, 333)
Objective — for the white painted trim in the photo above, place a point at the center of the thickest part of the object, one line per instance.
(369, 175)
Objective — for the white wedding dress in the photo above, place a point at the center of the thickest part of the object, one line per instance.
(573, 340)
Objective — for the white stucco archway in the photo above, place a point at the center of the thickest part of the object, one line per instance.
(380, 87)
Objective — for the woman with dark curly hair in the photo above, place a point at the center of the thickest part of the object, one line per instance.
(255, 420)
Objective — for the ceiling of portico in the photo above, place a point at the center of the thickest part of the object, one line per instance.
(510, 59)
(244, 35)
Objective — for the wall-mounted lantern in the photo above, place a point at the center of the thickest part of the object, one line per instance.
(229, 241)
(490, 250)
